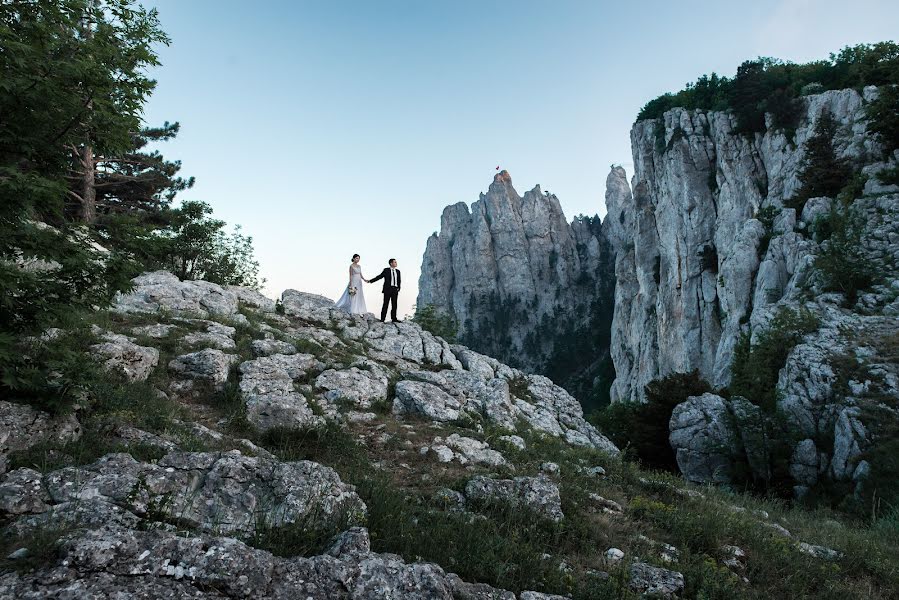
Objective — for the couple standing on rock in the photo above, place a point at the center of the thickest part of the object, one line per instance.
(353, 300)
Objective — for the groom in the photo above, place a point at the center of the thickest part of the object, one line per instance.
(391, 289)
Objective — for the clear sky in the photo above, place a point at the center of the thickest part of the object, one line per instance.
(333, 127)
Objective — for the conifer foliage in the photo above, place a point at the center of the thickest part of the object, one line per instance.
(822, 173)
(85, 202)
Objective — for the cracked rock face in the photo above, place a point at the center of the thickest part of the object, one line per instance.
(218, 492)
(707, 252)
(538, 494)
(267, 385)
(691, 267)
(116, 560)
(22, 427)
(121, 355)
(514, 272)
(655, 582)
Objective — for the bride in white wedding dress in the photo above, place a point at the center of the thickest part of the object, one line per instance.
(353, 300)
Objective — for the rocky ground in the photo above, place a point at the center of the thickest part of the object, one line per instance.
(237, 448)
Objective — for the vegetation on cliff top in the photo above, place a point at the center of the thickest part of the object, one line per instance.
(770, 85)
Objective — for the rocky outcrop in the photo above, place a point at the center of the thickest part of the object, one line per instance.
(116, 561)
(151, 524)
(433, 380)
(707, 251)
(708, 434)
(538, 494)
(121, 355)
(523, 284)
(23, 427)
(215, 492)
(695, 264)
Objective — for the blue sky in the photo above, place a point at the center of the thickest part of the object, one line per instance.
(332, 127)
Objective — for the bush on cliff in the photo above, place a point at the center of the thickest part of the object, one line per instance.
(643, 427)
(437, 322)
(821, 172)
(841, 262)
(755, 367)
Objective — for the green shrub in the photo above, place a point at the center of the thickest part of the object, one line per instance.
(766, 215)
(821, 172)
(842, 262)
(437, 322)
(755, 368)
(889, 176)
(643, 427)
(883, 118)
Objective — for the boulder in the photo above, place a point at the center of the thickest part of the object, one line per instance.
(538, 494)
(161, 290)
(467, 450)
(269, 347)
(208, 365)
(221, 492)
(655, 582)
(216, 335)
(426, 400)
(359, 387)
(22, 427)
(708, 433)
(121, 355)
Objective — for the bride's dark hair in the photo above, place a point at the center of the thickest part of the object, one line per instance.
(355, 256)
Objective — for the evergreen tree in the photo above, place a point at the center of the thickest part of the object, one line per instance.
(883, 116)
(72, 75)
(821, 172)
(138, 180)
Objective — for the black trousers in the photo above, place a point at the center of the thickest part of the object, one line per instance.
(390, 295)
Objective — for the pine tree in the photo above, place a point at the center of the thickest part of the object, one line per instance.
(136, 180)
(821, 172)
(61, 91)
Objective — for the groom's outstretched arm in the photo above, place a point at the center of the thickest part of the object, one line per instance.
(381, 276)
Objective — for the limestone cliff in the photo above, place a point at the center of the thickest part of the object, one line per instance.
(708, 251)
(524, 284)
(695, 264)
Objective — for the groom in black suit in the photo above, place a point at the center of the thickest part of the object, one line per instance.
(391, 289)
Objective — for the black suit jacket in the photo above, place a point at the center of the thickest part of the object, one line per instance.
(385, 274)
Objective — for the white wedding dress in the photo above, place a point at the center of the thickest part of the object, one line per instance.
(353, 303)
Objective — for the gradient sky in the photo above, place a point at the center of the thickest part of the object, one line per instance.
(329, 128)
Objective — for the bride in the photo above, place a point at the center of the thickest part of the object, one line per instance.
(353, 300)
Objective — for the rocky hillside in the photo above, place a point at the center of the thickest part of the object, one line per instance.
(524, 285)
(229, 447)
(716, 261)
